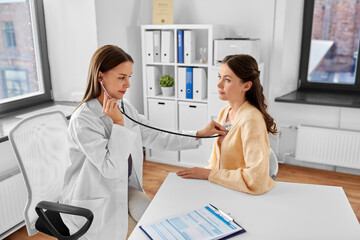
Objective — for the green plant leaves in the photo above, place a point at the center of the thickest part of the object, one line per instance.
(166, 80)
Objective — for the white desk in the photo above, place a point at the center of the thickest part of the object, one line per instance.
(289, 211)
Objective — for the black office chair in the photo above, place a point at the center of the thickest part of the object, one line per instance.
(40, 146)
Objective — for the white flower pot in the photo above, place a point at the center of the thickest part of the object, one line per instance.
(167, 91)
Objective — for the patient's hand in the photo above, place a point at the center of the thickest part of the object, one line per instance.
(195, 172)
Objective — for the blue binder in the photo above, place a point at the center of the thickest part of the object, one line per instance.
(189, 83)
(180, 37)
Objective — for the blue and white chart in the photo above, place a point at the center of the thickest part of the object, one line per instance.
(204, 223)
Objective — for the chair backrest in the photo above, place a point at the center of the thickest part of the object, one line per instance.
(40, 146)
(274, 165)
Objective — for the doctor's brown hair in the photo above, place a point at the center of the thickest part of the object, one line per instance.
(246, 68)
(104, 59)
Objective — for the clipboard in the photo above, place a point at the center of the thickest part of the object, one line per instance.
(206, 223)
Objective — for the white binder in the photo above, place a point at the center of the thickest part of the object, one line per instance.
(152, 78)
(167, 46)
(149, 46)
(189, 47)
(181, 82)
(157, 46)
(199, 83)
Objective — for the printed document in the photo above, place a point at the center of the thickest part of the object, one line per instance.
(204, 223)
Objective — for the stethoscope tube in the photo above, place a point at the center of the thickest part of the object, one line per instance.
(122, 110)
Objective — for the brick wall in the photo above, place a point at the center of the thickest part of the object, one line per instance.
(338, 20)
(23, 56)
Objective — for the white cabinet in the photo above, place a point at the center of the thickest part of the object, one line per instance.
(182, 110)
(194, 116)
(162, 115)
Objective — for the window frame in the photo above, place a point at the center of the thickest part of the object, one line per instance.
(41, 55)
(304, 84)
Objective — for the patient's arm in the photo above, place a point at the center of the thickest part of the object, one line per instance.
(195, 172)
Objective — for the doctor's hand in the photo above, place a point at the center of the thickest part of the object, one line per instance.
(211, 129)
(195, 172)
(111, 109)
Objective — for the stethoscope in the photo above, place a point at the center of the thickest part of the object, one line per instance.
(122, 110)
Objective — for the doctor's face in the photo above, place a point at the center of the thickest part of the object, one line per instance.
(230, 87)
(117, 80)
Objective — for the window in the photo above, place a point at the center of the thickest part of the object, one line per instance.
(330, 45)
(24, 69)
(9, 34)
(14, 83)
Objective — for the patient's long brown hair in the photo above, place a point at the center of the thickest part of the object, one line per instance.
(246, 68)
(104, 59)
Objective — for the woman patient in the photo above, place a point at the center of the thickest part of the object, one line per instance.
(240, 160)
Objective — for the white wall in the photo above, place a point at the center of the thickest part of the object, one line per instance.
(285, 52)
(118, 22)
(71, 39)
(8, 159)
(254, 19)
(76, 28)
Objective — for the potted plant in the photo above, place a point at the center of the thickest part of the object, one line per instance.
(167, 84)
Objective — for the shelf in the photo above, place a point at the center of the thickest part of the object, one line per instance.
(160, 64)
(160, 97)
(175, 112)
(177, 26)
(204, 65)
(193, 65)
(193, 100)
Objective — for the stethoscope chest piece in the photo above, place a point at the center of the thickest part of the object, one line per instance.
(227, 126)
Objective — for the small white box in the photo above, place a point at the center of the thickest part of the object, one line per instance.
(223, 48)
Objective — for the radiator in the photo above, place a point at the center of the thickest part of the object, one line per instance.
(328, 146)
(13, 196)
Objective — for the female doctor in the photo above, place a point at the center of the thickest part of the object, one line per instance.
(105, 150)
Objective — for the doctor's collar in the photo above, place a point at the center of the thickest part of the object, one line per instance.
(96, 107)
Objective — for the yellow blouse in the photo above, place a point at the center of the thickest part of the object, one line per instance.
(241, 160)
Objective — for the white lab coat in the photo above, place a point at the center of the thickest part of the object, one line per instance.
(97, 178)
